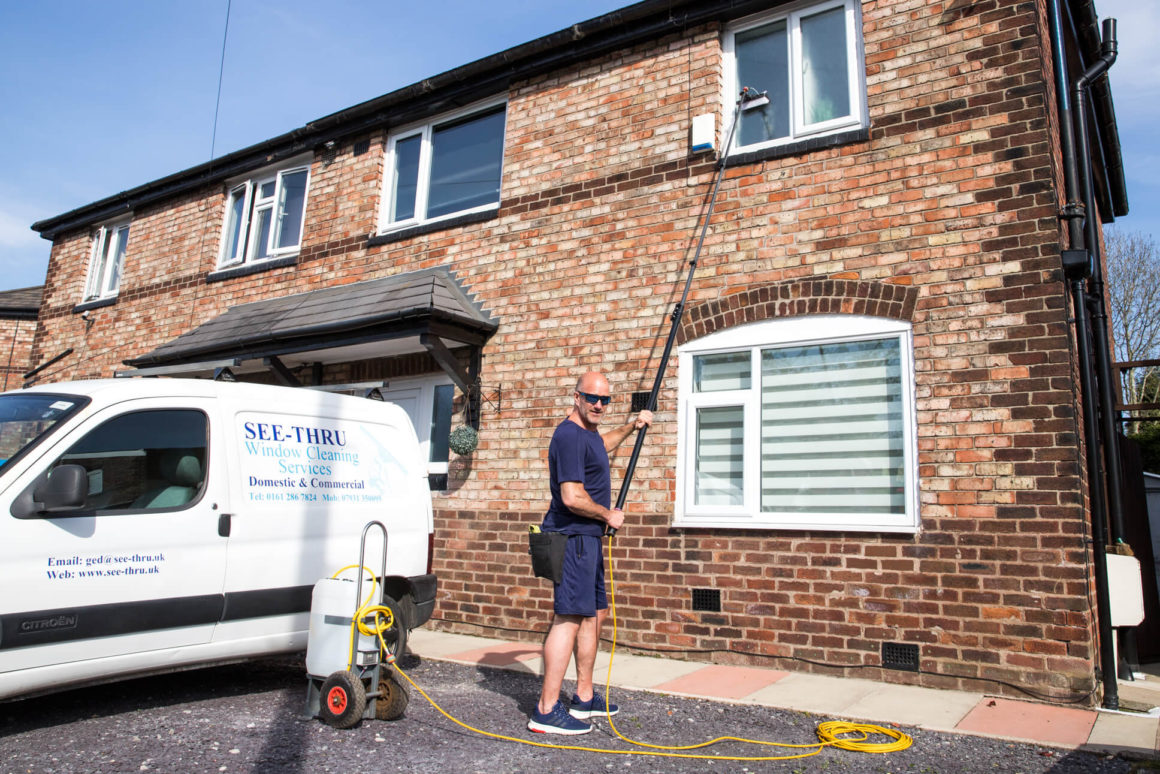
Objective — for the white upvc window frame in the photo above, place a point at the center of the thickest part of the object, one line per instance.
(249, 190)
(106, 260)
(787, 332)
(855, 63)
(425, 131)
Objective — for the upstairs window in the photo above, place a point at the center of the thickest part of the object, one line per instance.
(265, 216)
(810, 61)
(107, 261)
(444, 168)
(799, 423)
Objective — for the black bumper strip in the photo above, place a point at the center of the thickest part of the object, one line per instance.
(42, 627)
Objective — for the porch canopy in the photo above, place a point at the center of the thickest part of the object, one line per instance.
(425, 310)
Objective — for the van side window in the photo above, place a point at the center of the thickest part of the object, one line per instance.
(146, 460)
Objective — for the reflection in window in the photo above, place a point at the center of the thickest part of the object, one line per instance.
(143, 460)
(443, 169)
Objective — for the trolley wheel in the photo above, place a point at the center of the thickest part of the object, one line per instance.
(343, 700)
(393, 702)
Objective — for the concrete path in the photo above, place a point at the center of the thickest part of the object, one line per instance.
(845, 698)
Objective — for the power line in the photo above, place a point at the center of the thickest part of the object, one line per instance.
(221, 72)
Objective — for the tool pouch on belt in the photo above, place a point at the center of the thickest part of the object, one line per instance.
(547, 550)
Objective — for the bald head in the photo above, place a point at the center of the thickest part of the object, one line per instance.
(592, 382)
(585, 413)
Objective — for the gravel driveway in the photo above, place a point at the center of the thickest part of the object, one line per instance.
(247, 718)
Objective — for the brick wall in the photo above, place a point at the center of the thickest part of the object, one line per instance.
(15, 350)
(945, 217)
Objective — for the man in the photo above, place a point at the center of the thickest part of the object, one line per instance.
(581, 495)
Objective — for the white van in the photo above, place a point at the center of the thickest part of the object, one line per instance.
(148, 525)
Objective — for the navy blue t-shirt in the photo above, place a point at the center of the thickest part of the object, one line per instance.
(576, 454)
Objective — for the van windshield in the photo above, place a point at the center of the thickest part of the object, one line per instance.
(25, 418)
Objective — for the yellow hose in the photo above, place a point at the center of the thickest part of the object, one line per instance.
(829, 733)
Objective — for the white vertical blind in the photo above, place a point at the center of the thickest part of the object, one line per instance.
(720, 456)
(832, 429)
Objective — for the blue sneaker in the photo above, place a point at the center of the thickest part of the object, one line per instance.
(594, 706)
(558, 721)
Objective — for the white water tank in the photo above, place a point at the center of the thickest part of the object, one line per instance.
(332, 606)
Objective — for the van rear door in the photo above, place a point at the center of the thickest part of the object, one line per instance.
(140, 565)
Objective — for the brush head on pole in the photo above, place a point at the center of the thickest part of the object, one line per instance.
(751, 98)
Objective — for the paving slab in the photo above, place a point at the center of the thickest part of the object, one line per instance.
(1028, 721)
(722, 681)
(912, 705)
(1117, 733)
(815, 693)
(647, 672)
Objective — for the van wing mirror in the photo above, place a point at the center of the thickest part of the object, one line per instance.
(65, 489)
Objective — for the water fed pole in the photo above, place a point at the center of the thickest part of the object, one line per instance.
(748, 99)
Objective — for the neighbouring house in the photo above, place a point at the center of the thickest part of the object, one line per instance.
(869, 451)
(18, 310)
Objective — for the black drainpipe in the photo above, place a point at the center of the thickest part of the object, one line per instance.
(1099, 320)
(1099, 316)
(1077, 265)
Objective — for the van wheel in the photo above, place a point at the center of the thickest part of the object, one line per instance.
(344, 700)
(396, 636)
(393, 702)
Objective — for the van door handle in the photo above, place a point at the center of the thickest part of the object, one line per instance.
(224, 525)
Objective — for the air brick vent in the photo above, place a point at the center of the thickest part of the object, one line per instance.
(708, 600)
(900, 655)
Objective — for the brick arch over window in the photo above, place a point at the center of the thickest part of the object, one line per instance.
(798, 298)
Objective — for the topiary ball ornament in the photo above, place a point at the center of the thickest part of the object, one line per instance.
(463, 440)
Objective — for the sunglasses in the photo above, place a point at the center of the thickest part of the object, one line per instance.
(594, 399)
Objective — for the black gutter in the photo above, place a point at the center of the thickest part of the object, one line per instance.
(461, 86)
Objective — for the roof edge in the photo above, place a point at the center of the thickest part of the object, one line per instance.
(454, 88)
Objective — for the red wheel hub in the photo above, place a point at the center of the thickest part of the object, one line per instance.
(337, 700)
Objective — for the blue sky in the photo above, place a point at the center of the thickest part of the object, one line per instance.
(100, 97)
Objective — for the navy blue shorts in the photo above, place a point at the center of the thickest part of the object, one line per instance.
(581, 591)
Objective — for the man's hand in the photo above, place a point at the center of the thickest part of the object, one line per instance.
(615, 518)
(643, 420)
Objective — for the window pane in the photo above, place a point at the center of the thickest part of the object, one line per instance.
(832, 429)
(826, 91)
(261, 247)
(719, 478)
(266, 189)
(235, 221)
(406, 181)
(122, 237)
(729, 371)
(290, 204)
(441, 422)
(100, 260)
(465, 164)
(763, 64)
(147, 459)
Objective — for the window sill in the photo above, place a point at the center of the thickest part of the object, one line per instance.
(799, 147)
(250, 268)
(703, 522)
(431, 227)
(96, 303)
